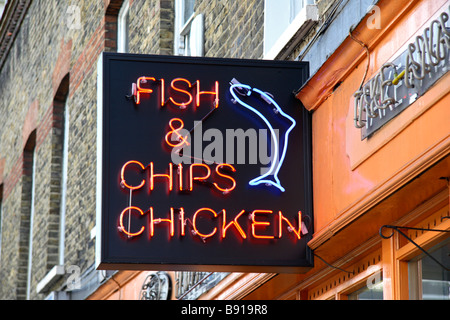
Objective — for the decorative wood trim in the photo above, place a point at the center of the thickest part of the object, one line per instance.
(343, 284)
(349, 55)
(327, 272)
(237, 285)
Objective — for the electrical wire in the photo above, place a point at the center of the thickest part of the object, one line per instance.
(362, 44)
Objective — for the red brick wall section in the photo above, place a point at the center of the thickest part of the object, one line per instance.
(2, 168)
(30, 122)
(62, 65)
(84, 65)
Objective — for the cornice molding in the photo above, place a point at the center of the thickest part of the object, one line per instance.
(349, 54)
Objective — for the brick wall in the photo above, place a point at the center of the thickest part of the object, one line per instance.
(233, 29)
(51, 69)
(34, 84)
(151, 27)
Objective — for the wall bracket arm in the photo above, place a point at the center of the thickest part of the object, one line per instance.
(397, 228)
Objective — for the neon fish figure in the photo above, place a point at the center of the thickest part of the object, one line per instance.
(271, 176)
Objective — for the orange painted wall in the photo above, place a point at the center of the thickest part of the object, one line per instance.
(350, 175)
(346, 169)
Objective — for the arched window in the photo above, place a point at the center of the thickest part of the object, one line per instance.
(59, 159)
(27, 217)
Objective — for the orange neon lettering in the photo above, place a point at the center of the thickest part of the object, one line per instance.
(180, 176)
(260, 223)
(172, 85)
(128, 210)
(195, 226)
(122, 175)
(191, 174)
(169, 176)
(141, 90)
(215, 93)
(163, 98)
(280, 220)
(176, 132)
(225, 176)
(159, 220)
(232, 222)
(182, 222)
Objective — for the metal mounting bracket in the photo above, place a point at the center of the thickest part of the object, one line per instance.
(397, 228)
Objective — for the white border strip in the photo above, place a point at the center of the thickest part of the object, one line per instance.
(98, 196)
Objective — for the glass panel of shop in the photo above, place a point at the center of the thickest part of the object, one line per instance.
(428, 280)
(373, 290)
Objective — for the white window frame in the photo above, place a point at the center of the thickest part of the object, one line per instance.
(2, 7)
(65, 156)
(302, 21)
(189, 34)
(1, 219)
(58, 270)
(30, 239)
(122, 27)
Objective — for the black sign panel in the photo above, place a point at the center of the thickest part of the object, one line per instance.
(203, 164)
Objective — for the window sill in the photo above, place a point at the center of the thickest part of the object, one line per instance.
(50, 278)
(302, 23)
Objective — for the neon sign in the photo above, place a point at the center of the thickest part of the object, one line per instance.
(138, 90)
(183, 140)
(163, 207)
(257, 226)
(271, 176)
(193, 175)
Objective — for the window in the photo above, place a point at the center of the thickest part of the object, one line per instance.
(362, 280)
(427, 279)
(59, 167)
(2, 6)
(29, 177)
(368, 292)
(283, 20)
(65, 155)
(122, 27)
(189, 29)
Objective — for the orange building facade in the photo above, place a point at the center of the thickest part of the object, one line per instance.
(381, 202)
(396, 177)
